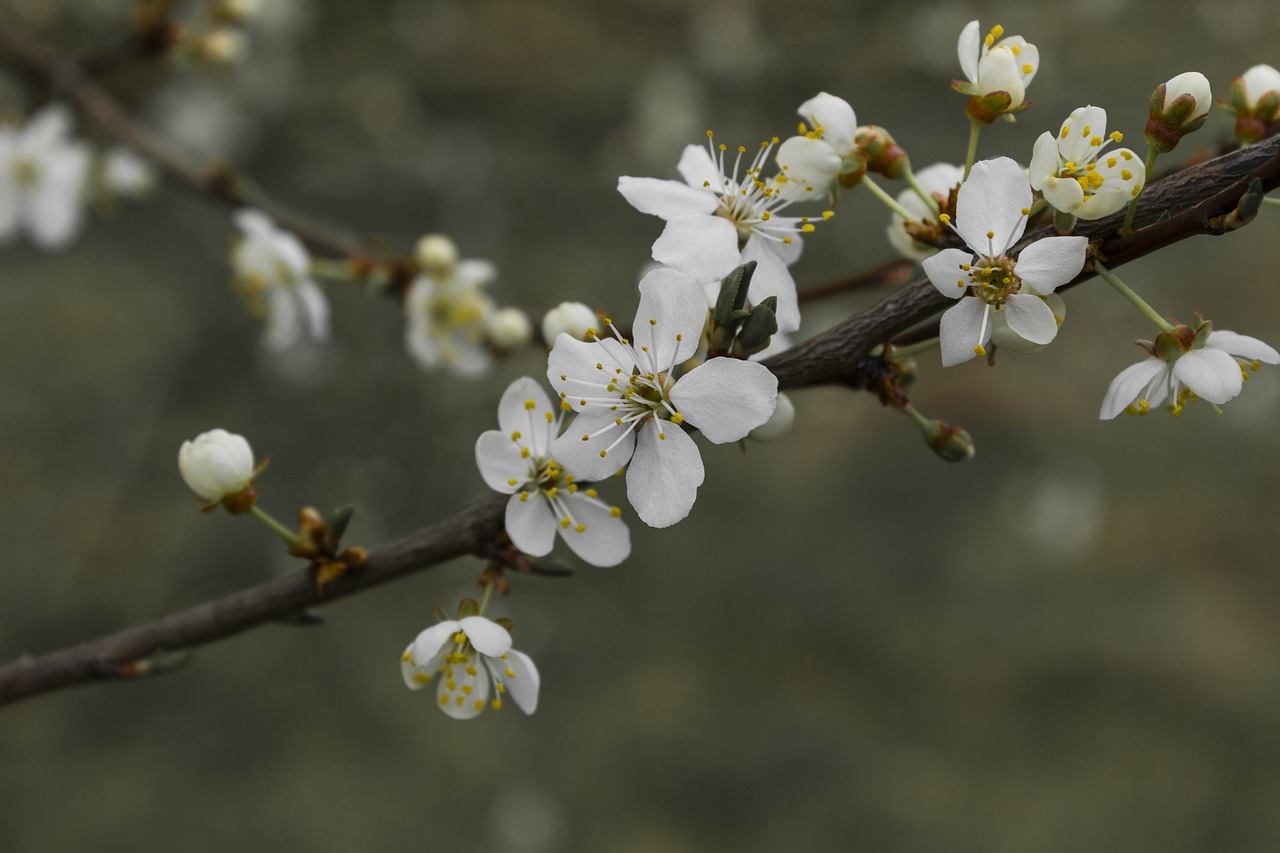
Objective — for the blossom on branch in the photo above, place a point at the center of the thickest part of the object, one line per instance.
(446, 310)
(1075, 178)
(813, 162)
(1187, 364)
(938, 181)
(273, 276)
(632, 407)
(218, 466)
(1178, 106)
(1255, 97)
(515, 459)
(998, 72)
(43, 172)
(991, 215)
(472, 659)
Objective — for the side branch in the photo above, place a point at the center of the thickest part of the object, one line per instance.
(128, 654)
(1195, 200)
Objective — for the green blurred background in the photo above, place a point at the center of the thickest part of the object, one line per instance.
(1069, 643)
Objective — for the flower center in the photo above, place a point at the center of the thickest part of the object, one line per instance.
(27, 172)
(994, 279)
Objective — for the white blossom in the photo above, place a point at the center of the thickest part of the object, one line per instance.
(126, 173)
(445, 313)
(992, 67)
(813, 161)
(631, 406)
(1074, 176)
(1178, 106)
(1186, 365)
(42, 179)
(508, 328)
(571, 318)
(515, 459)
(471, 659)
(991, 215)
(273, 274)
(721, 217)
(938, 181)
(1259, 82)
(216, 464)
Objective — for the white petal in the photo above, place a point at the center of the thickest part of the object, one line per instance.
(523, 686)
(945, 270)
(289, 251)
(464, 703)
(1258, 81)
(1030, 318)
(726, 398)
(581, 458)
(1077, 146)
(665, 472)
(408, 669)
(283, 322)
(582, 369)
(472, 273)
(515, 415)
(499, 461)
(772, 278)
(313, 308)
(1064, 194)
(421, 344)
(1044, 160)
(486, 636)
(810, 165)
(940, 178)
(961, 329)
(969, 48)
(1048, 264)
(993, 200)
(53, 209)
(253, 222)
(1211, 373)
(705, 247)
(1028, 56)
(834, 116)
(1103, 203)
(1001, 71)
(531, 524)
(604, 541)
(667, 199)
(47, 127)
(432, 641)
(788, 253)
(1242, 346)
(669, 320)
(1127, 385)
(698, 169)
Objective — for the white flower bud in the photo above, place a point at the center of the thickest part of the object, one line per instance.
(1258, 81)
(1178, 107)
(508, 328)
(216, 465)
(125, 173)
(572, 318)
(222, 46)
(1196, 85)
(779, 423)
(437, 252)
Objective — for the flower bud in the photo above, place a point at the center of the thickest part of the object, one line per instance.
(881, 152)
(125, 173)
(571, 318)
(949, 441)
(1255, 97)
(779, 423)
(218, 466)
(1178, 107)
(436, 252)
(508, 328)
(222, 46)
(236, 10)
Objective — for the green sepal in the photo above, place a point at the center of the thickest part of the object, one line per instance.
(505, 622)
(439, 613)
(760, 326)
(1239, 96)
(733, 292)
(549, 567)
(468, 607)
(338, 520)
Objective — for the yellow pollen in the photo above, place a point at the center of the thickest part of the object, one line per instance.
(990, 39)
(724, 147)
(592, 493)
(1111, 162)
(614, 512)
(581, 528)
(524, 497)
(1117, 136)
(551, 492)
(1065, 131)
(513, 482)
(461, 700)
(1026, 211)
(803, 129)
(978, 350)
(827, 214)
(991, 235)
(565, 522)
(510, 673)
(468, 689)
(1070, 165)
(997, 31)
(706, 183)
(407, 656)
(524, 453)
(479, 706)
(679, 337)
(677, 418)
(1086, 130)
(1096, 141)
(459, 637)
(1126, 154)
(1136, 189)
(530, 405)
(1017, 51)
(766, 216)
(602, 453)
(550, 417)
(1026, 69)
(709, 134)
(787, 240)
(444, 700)
(808, 229)
(564, 406)
(742, 149)
(497, 703)
(1125, 174)
(421, 677)
(960, 282)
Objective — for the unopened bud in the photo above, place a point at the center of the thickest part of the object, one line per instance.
(779, 423)
(949, 441)
(236, 10)
(508, 328)
(218, 466)
(882, 153)
(1255, 97)
(222, 46)
(1178, 107)
(436, 252)
(571, 318)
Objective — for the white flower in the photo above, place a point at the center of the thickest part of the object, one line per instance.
(1073, 176)
(1186, 364)
(813, 161)
(473, 659)
(126, 173)
(991, 214)
(42, 179)
(631, 405)
(436, 251)
(273, 275)
(718, 219)
(995, 69)
(445, 312)
(571, 318)
(938, 180)
(1178, 106)
(508, 328)
(216, 465)
(1259, 82)
(515, 459)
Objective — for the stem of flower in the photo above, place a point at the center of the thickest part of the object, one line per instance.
(912, 349)
(886, 198)
(1152, 154)
(484, 599)
(290, 538)
(1138, 302)
(333, 269)
(975, 127)
(910, 177)
(1271, 202)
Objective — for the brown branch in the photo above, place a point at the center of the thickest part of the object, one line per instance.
(214, 177)
(131, 653)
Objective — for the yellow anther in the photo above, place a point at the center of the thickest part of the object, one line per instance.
(459, 637)
(1027, 68)
(510, 673)
(1136, 189)
(1017, 51)
(564, 523)
(724, 147)
(802, 128)
(581, 528)
(564, 406)
(1125, 175)
(444, 700)
(787, 240)
(679, 337)
(1096, 141)
(550, 417)
(991, 235)
(709, 134)
(990, 40)
(827, 214)
(461, 700)
(808, 229)
(677, 418)
(1255, 364)
(407, 656)
(421, 677)
(496, 703)
(978, 350)
(1143, 404)
(997, 31)
(513, 482)
(602, 453)
(524, 453)
(960, 282)
(1111, 162)
(1026, 211)
(742, 149)
(614, 512)
(1065, 131)
(706, 183)
(530, 405)
(1057, 320)
(1085, 130)
(524, 497)
(946, 219)
(1069, 166)
(662, 436)
(592, 493)
(551, 492)
(766, 216)
(1116, 136)
(1126, 154)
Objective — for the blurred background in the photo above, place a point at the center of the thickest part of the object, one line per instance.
(1069, 643)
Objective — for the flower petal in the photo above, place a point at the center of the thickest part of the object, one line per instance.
(1084, 125)
(1242, 346)
(698, 168)
(1030, 318)
(1127, 385)
(1064, 194)
(604, 539)
(835, 117)
(993, 200)
(946, 272)
(486, 636)
(772, 278)
(524, 683)
(463, 695)
(432, 641)
(1044, 160)
(579, 370)
(961, 328)
(704, 247)
(582, 458)
(1001, 71)
(1211, 373)
(666, 199)
(516, 415)
(665, 472)
(669, 320)
(53, 209)
(969, 49)
(1048, 264)
(499, 461)
(313, 308)
(530, 523)
(726, 398)
(810, 167)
